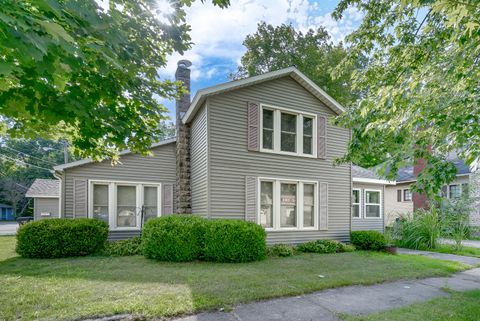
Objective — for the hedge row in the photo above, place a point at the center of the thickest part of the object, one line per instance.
(183, 238)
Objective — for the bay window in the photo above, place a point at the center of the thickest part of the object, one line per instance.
(123, 205)
(288, 204)
(372, 204)
(286, 131)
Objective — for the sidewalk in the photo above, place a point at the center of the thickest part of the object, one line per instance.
(468, 243)
(357, 300)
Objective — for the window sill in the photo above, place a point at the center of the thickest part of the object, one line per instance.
(291, 229)
(269, 151)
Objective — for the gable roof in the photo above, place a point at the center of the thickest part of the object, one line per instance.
(293, 72)
(44, 188)
(124, 152)
(367, 175)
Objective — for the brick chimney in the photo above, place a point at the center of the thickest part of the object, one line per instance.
(420, 200)
(183, 188)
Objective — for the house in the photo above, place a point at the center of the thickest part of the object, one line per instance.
(6, 212)
(399, 199)
(259, 149)
(46, 198)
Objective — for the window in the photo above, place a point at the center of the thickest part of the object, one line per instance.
(407, 195)
(123, 204)
(356, 203)
(308, 205)
(372, 204)
(307, 135)
(455, 191)
(288, 132)
(100, 202)
(288, 204)
(267, 129)
(288, 137)
(266, 204)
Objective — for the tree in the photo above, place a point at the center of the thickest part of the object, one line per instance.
(70, 67)
(420, 89)
(271, 48)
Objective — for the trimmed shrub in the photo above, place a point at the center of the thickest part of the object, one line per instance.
(324, 247)
(128, 247)
(280, 250)
(368, 240)
(177, 238)
(234, 241)
(61, 237)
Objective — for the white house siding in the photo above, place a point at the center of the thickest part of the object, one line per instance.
(363, 223)
(393, 208)
(230, 161)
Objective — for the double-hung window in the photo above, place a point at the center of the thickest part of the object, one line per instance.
(286, 131)
(288, 204)
(407, 195)
(372, 203)
(455, 191)
(356, 203)
(124, 205)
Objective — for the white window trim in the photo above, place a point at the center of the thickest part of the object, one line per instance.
(276, 203)
(277, 131)
(403, 196)
(112, 200)
(359, 203)
(375, 204)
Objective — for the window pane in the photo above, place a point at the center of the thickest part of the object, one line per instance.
(266, 204)
(372, 210)
(268, 118)
(356, 196)
(288, 205)
(372, 197)
(307, 145)
(356, 210)
(308, 205)
(307, 126)
(288, 141)
(126, 206)
(150, 201)
(455, 191)
(267, 138)
(100, 202)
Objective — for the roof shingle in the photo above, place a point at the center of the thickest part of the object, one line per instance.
(44, 188)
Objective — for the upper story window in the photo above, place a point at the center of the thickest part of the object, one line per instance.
(287, 131)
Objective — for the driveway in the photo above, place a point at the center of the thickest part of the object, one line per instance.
(468, 243)
(8, 228)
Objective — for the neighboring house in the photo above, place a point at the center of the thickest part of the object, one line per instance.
(259, 149)
(6, 212)
(399, 199)
(46, 198)
(368, 199)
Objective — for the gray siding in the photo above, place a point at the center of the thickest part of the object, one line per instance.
(45, 205)
(199, 162)
(159, 168)
(375, 224)
(230, 161)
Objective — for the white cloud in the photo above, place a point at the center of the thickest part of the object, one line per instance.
(218, 34)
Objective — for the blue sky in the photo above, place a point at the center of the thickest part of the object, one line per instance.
(218, 34)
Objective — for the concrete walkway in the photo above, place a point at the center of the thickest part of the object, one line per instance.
(355, 300)
(468, 243)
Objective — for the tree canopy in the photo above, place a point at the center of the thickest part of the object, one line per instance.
(313, 53)
(420, 90)
(71, 68)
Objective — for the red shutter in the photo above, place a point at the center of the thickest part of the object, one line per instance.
(322, 137)
(253, 126)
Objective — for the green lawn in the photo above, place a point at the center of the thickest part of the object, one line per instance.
(457, 307)
(90, 286)
(466, 251)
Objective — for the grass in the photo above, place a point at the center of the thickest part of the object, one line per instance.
(466, 251)
(56, 289)
(457, 307)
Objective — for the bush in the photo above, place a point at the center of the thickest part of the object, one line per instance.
(368, 240)
(177, 238)
(280, 250)
(61, 237)
(324, 247)
(234, 241)
(128, 247)
(419, 231)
